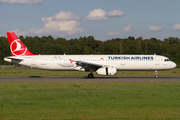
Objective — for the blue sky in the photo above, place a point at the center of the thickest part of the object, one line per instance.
(103, 19)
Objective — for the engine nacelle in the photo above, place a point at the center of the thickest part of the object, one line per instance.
(107, 71)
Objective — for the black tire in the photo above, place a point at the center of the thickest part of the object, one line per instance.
(90, 75)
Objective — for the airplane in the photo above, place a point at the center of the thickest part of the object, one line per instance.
(101, 64)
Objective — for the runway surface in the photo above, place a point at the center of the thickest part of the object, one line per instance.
(85, 79)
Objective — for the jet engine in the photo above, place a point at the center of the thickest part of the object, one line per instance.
(107, 71)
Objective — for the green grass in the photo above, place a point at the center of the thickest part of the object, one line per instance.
(89, 100)
(25, 71)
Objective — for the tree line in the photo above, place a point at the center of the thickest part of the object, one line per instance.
(46, 45)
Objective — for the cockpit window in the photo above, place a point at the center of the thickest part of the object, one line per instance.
(166, 60)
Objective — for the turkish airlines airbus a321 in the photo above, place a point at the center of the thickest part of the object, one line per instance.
(101, 64)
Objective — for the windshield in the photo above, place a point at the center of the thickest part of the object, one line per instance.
(167, 60)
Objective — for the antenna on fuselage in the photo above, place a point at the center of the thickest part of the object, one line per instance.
(64, 54)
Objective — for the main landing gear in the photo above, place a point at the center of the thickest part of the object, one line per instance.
(156, 74)
(90, 75)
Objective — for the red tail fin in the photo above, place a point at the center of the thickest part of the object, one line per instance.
(16, 46)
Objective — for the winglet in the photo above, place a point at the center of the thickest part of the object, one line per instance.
(16, 46)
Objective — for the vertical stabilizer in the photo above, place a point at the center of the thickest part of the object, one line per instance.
(16, 46)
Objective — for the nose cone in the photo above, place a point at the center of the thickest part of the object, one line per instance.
(173, 65)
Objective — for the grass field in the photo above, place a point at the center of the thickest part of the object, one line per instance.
(25, 71)
(89, 100)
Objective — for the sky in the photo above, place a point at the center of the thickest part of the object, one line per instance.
(102, 19)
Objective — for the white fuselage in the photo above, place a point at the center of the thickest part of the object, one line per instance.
(121, 62)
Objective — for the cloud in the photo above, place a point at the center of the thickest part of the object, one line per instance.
(60, 27)
(65, 16)
(176, 27)
(99, 14)
(22, 1)
(25, 33)
(155, 28)
(128, 28)
(115, 13)
(112, 33)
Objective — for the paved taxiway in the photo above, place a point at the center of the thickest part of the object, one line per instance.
(85, 79)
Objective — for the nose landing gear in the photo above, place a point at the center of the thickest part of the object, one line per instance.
(156, 74)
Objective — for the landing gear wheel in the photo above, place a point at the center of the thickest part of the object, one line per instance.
(90, 75)
(156, 74)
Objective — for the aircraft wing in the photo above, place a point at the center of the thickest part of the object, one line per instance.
(88, 66)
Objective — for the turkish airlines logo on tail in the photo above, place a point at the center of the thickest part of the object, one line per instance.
(17, 48)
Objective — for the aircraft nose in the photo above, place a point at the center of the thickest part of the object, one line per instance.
(173, 65)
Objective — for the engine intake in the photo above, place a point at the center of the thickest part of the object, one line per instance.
(107, 71)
